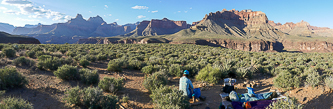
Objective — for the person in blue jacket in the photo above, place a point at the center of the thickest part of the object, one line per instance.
(185, 85)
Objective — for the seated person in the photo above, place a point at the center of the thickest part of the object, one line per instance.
(250, 96)
(185, 85)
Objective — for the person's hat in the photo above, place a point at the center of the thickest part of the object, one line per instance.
(186, 72)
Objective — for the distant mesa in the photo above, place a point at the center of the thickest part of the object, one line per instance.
(8, 38)
(303, 28)
(74, 29)
(5, 27)
(157, 27)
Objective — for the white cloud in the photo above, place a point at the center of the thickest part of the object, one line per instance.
(26, 7)
(185, 11)
(27, 20)
(3, 8)
(89, 11)
(154, 11)
(139, 7)
(15, 2)
(106, 6)
(179, 11)
(110, 14)
(191, 8)
(11, 12)
(141, 16)
(116, 20)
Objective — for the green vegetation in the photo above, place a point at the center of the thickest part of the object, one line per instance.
(10, 78)
(211, 74)
(289, 103)
(67, 72)
(166, 97)
(209, 64)
(111, 84)
(329, 81)
(89, 76)
(15, 103)
(9, 52)
(20, 61)
(91, 98)
(156, 80)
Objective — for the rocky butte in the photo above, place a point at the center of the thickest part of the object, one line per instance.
(73, 30)
(157, 27)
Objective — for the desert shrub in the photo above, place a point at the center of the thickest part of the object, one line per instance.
(84, 63)
(9, 52)
(43, 57)
(286, 80)
(210, 74)
(176, 70)
(166, 97)
(156, 80)
(115, 65)
(101, 57)
(63, 51)
(111, 84)
(67, 72)
(289, 103)
(148, 69)
(91, 98)
(23, 61)
(136, 64)
(245, 72)
(15, 103)
(51, 63)
(88, 76)
(9, 78)
(329, 81)
(313, 79)
(30, 54)
(124, 99)
(71, 54)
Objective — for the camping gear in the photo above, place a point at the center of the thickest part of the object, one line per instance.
(247, 105)
(202, 98)
(262, 104)
(229, 81)
(228, 89)
(197, 92)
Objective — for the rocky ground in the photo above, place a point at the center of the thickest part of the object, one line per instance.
(45, 91)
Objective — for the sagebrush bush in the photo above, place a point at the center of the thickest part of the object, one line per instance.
(49, 63)
(111, 84)
(286, 80)
(15, 103)
(136, 64)
(148, 69)
(10, 78)
(101, 57)
(9, 52)
(156, 80)
(91, 98)
(176, 70)
(115, 65)
(67, 72)
(210, 74)
(20, 61)
(166, 97)
(313, 79)
(84, 63)
(329, 81)
(289, 103)
(30, 54)
(88, 76)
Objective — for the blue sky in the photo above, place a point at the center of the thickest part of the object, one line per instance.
(21, 12)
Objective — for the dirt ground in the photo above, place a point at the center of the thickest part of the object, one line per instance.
(45, 91)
